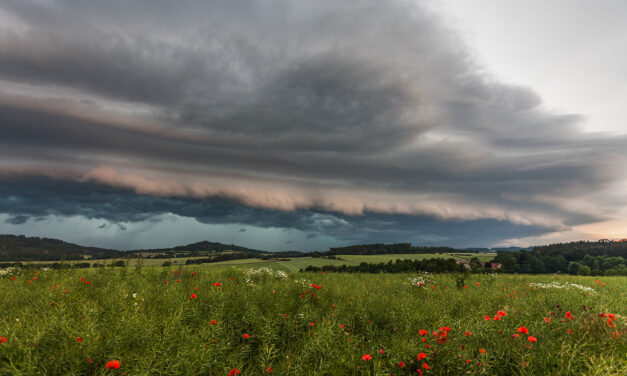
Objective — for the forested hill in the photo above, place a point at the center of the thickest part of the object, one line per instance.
(583, 258)
(578, 250)
(20, 247)
(203, 246)
(379, 248)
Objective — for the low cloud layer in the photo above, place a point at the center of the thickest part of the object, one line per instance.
(365, 121)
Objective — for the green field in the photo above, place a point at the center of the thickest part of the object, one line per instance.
(296, 264)
(156, 328)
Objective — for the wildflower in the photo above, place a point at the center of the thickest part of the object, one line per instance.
(165, 281)
(234, 372)
(311, 324)
(547, 320)
(332, 305)
(193, 273)
(516, 335)
(423, 332)
(468, 361)
(478, 284)
(113, 364)
(501, 313)
(246, 335)
(316, 286)
(523, 330)
(532, 339)
(87, 282)
(381, 351)
(193, 296)
(268, 370)
(468, 333)
(482, 351)
(421, 356)
(497, 317)
(425, 366)
(342, 326)
(213, 322)
(401, 364)
(366, 357)
(176, 272)
(569, 315)
(419, 372)
(487, 318)
(3, 339)
(89, 360)
(569, 331)
(217, 284)
(79, 339)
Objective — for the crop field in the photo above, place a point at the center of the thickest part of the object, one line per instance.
(254, 320)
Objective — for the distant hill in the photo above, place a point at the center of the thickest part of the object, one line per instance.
(23, 248)
(20, 247)
(200, 247)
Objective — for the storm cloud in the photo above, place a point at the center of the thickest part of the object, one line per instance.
(364, 121)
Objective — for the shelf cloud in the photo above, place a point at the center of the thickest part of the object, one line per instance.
(363, 121)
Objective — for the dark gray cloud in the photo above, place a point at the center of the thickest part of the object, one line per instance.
(34, 196)
(317, 116)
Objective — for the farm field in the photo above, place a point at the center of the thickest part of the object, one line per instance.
(256, 321)
(293, 264)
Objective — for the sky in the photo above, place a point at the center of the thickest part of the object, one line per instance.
(304, 125)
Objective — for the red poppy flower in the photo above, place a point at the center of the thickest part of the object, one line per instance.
(482, 351)
(213, 322)
(501, 313)
(113, 364)
(497, 317)
(193, 273)
(311, 324)
(366, 357)
(421, 356)
(177, 281)
(234, 372)
(332, 305)
(532, 339)
(342, 326)
(423, 332)
(3, 339)
(87, 282)
(82, 279)
(165, 281)
(268, 370)
(176, 272)
(478, 284)
(487, 318)
(516, 335)
(523, 330)
(401, 364)
(79, 339)
(381, 351)
(468, 333)
(547, 320)
(246, 335)
(569, 315)
(419, 372)
(193, 296)
(316, 286)
(425, 366)
(569, 331)
(217, 284)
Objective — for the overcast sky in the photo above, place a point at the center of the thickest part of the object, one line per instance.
(303, 125)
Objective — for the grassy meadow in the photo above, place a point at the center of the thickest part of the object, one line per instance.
(221, 320)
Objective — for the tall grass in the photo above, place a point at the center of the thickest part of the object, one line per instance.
(294, 328)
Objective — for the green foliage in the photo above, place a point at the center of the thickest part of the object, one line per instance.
(156, 328)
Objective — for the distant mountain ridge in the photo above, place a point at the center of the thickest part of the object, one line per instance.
(20, 247)
(23, 248)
